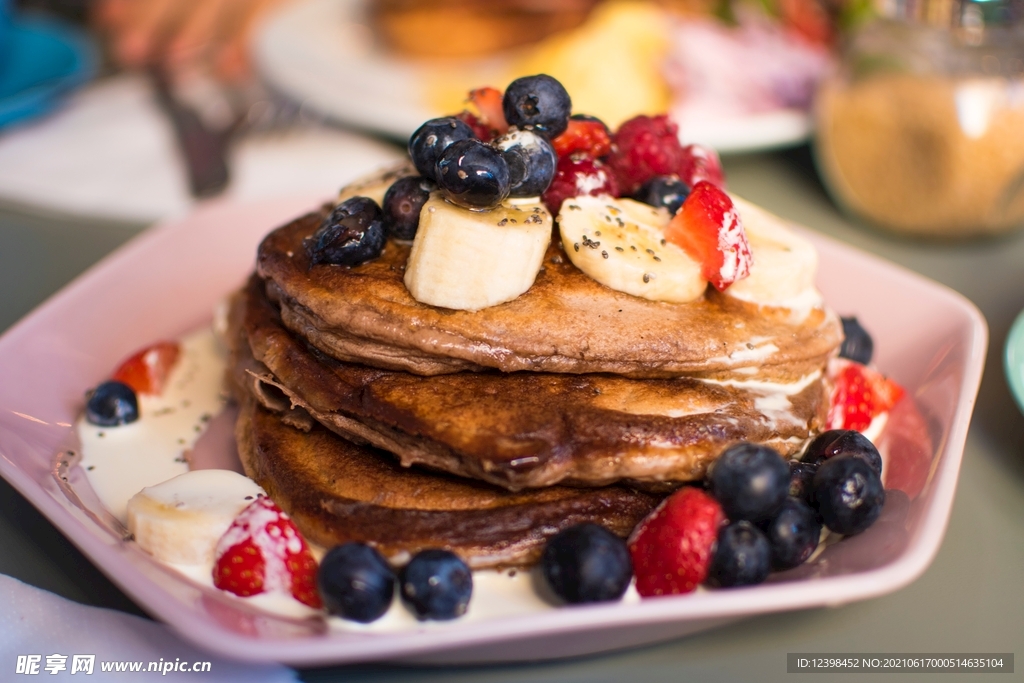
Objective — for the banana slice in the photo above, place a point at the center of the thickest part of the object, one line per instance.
(181, 519)
(468, 260)
(620, 243)
(784, 263)
(375, 185)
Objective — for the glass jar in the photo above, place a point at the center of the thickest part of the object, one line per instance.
(921, 129)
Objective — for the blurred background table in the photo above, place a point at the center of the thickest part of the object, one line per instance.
(969, 600)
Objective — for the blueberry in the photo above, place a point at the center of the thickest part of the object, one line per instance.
(857, 344)
(848, 494)
(473, 174)
(353, 233)
(437, 584)
(355, 582)
(587, 563)
(792, 534)
(664, 190)
(742, 557)
(111, 404)
(840, 441)
(433, 138)
(801, 474)
(538, 102)
(531, 162)
(750, 482)
(402, 204)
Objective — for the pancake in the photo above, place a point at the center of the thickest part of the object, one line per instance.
(523, 430)
(565, 323)
(337, 491)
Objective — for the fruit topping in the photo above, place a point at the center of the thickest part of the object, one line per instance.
(584, 134)
(701, 163)
(793, 534)
(490, 114)
(432, 138)
(587, 563)
(908, 449)
(742, 556)
(263, 551)
(857, 345)
(353, 233)
(839, 442)
(708, 228)
(402, 204)
(848, 494)
(860, 395)
(356, 582)
(531, 162)
(437, 584)
(672, 548)
(146, 371)
(664, 191)
(473, 174)
(539, 102)
(576, 176)
(801, 474)
(111, 404)
(644, 147)
(750, 481)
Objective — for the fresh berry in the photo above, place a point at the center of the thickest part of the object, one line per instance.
(644, 147)
(848, 494)
(578, 175)
(432, 138)
(857, 345)
(538, 102)
(473, 175)
(839, 441)
(531, 162)
(147, 370)
(402, 204)
(750, 481)
(664, 191)
(860, 394)
(480, 130)
(801, 474)
(793, 534)
(263, 551)
(584, 134)
(489, 107)
(111, 404)
(708, 228)
(701, 163)
(907, 445)
(437, 584)
(742, 556)
(587, 563)
(672, 547)
(352, 233)
(355, 582)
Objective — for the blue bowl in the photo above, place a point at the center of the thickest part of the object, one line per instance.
(1014, 360)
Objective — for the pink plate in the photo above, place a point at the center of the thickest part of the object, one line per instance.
(169, 280)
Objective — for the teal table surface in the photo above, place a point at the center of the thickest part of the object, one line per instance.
(971, 599)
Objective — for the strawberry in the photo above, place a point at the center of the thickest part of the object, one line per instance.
(263, 551)
(575, 175)
(701, 163)
(707, 227)
(584, 134)
(673, 547)
(146, 371)
(644, 147)
(860, 394)
(907, 447)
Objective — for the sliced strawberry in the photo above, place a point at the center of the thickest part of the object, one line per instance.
(701, 163)
(147, 370)
(860, 395)
(584, 134)
(263, 551)
(907, 448)
(575, 175)
(707, 227)
(489, 108)
(673, 547)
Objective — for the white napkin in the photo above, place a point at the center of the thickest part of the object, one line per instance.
(37, 622)
(109, 152)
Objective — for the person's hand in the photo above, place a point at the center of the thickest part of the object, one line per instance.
(182, 34)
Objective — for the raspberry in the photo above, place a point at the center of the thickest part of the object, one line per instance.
(701, 163)
(575, 175)
(644, 147)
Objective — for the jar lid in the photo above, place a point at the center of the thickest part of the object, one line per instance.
(958, 14)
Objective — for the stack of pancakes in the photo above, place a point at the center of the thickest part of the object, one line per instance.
(369, 416)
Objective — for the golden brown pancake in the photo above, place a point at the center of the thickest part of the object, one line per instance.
(337, 492)
(526, 429)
